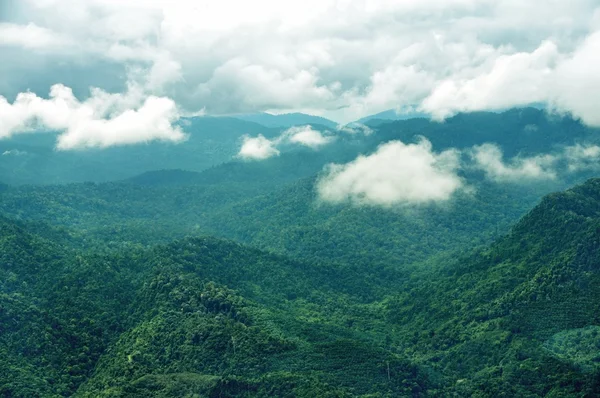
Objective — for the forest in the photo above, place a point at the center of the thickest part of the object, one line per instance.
(234, 279)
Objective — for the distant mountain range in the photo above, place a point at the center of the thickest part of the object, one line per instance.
(32, 159)
(390, 115)
(286, 119)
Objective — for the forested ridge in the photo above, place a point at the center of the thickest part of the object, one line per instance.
(207, 316)
(238, 280)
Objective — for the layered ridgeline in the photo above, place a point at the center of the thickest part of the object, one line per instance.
(523, 314)
(166, 322)
(286, 119)
(32, 158)
(373, 302)
(261, 205)
(273, 203)
(519, 131)
(212, 318)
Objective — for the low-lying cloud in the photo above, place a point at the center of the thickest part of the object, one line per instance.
(261, 148)
(410, 174)
(355, 128)
(489, 158)
(101, 121)
(306, 136)
(582, 157)
(395, 174)
(257, 148)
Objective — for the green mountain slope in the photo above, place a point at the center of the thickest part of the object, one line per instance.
(519, 317)
(262, 339)
(526, 131)
(162, 322)
(59, 310)
(214, 318)
(32, 159)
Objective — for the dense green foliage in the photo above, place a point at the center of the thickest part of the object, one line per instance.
(507, 319)
(238, 282)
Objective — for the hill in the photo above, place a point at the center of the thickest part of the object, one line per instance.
(522, 315)
(211, 317)
(525, 131)
(389, 115)
(286, 120)
(162, 322)
(32, 159)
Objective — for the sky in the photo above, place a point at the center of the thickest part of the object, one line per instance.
(111, 72)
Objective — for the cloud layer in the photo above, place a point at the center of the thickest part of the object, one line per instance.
(395, 174)
(489, 158)
(411, 174)
(341, 59)
(261, 148)
(102, 120)
(257, 148)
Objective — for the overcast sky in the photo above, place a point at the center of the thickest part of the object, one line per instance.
(340, 59)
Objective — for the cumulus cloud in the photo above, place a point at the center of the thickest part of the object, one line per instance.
(515, 79)
(306, 136)
(257, 148)
(395, 174)
(489, 158)
(30, 36)
(408, 174)
(102, 120)
(575, 86)
(355, 128)
(341, 59)
(581, 157)
(260, 148)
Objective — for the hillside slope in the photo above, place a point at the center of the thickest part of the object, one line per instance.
(214, 318)
(520, 318)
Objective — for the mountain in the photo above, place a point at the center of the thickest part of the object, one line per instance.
(32, 159)
(166, 322)
(390, 115)
(522, 315)
(59, 310)
(286, 120)
(238, 281)
(525, 131)
(211, 317)
(273, 205)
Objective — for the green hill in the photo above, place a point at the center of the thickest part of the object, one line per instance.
(32, 159)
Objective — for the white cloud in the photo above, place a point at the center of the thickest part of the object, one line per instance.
(576, 83)
(489, 158)
(30, 36)
(355, 128)
(102, 120)
(342, 59)
(515, 79)
(401, 174)
(580, 157)
(395, 174)
(260, 148)
(257, 148)
(305, 135)
(14, 152)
